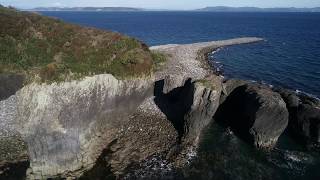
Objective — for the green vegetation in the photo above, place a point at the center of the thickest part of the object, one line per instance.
(159, 60)
(50, 50)
(208, 83)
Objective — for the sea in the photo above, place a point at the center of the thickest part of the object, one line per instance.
(288, 57)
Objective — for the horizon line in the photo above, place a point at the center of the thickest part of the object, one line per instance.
(154, 8)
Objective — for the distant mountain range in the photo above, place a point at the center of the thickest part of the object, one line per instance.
(255, 9)
(209, 9)
(86, 9)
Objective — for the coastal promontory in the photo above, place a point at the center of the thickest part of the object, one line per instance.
(83, 103)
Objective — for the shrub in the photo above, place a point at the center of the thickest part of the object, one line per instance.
(52, 50)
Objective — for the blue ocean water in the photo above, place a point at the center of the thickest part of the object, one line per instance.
(289, 57)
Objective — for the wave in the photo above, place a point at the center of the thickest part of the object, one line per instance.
(299, 92)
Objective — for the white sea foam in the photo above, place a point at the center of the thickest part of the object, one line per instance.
(299, 92)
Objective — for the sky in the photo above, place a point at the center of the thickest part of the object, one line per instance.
(160, 4)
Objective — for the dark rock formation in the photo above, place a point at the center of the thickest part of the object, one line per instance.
(175, 103)
(10, 84)
(205, 104)
(255, 113)
(191, 107)
(14, 160)
(290, 97)
(229, 85)
(304, 116)
(308, 122)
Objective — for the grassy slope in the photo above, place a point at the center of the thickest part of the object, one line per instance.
(51, 50)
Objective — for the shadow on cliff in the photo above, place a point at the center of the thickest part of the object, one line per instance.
(175, 104)
(234, 113)
(101, 169)
(14, 171)
(10, 84)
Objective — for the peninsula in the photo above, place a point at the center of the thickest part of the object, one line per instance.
(88, 103)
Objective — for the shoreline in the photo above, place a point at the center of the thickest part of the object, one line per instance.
(191, 60)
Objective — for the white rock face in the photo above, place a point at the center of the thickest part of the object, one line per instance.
(67, 125)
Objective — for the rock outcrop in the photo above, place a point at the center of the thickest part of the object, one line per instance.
(66, 92)
(308, 122)
(14, 160)
(255, 113)
(304, 116)
(206, 97)
(144, 135)
(229, 85)
(67, 125)
(10, 84)
(73, 128)
(189, 84)
(188, 93)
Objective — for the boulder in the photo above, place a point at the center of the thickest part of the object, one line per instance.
(304, 116)
(308, 123)
(229, 85)
(206, 95)
(290, 97)
(255, 113)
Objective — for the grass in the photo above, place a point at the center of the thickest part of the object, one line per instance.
(159, 60)
(208, 83)
(49, 50)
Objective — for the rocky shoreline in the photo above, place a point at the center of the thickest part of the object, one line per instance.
(101, 124)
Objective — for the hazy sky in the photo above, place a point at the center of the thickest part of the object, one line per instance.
(167, 4)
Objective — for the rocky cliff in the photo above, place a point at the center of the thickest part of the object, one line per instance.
(67, 125)
(68, 129)
(66, 93)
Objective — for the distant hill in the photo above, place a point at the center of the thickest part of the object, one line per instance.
(85, 9)
(255, 9)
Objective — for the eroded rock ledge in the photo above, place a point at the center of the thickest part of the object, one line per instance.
(76, 129)
(67, 125)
